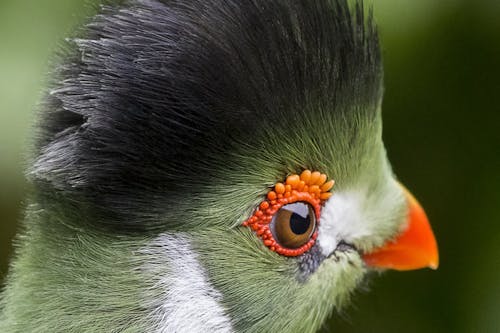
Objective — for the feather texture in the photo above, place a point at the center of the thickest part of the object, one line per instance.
(160, 97)
(165, 124)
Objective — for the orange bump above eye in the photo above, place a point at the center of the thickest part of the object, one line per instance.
(321, 179)
(264, 205)
(311, 188)
(305, 176)
(314, 189)
(293, 180)
(325, 196)
(271, 195)
(327, 186)
(314, 177)
(279, 188)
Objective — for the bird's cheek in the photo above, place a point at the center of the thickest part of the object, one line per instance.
(414, 248)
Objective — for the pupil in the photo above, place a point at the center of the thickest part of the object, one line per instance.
(299, 224)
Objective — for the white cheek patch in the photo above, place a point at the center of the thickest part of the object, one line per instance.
(181, 297)
(362, 217)
(342, 218)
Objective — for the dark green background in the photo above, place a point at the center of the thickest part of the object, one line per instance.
(442, 124)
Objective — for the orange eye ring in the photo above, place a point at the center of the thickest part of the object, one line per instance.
(310, 187)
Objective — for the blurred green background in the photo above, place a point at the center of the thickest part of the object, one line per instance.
(442, 132)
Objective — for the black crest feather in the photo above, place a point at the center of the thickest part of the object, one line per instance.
(158, 90)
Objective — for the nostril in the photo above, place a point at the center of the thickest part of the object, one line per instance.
(343, 246)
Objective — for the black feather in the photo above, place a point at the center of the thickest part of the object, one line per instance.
(157, 91)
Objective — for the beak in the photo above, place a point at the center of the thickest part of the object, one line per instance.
(415, 247)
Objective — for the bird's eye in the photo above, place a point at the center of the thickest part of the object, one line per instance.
(286, 220)
(293, 225)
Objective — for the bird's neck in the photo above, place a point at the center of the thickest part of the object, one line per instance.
(71, 278)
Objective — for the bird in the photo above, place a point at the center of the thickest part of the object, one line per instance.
(210, 166)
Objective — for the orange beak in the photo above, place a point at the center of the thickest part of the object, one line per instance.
(414, 248)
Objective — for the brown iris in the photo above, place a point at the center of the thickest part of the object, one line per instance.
(294, 224)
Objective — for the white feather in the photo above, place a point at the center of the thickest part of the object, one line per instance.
(361, 217)
(186, 301)
(341, 219)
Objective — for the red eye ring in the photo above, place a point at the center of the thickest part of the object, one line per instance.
(309, 187)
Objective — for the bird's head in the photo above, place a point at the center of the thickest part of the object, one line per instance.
(241, 142)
